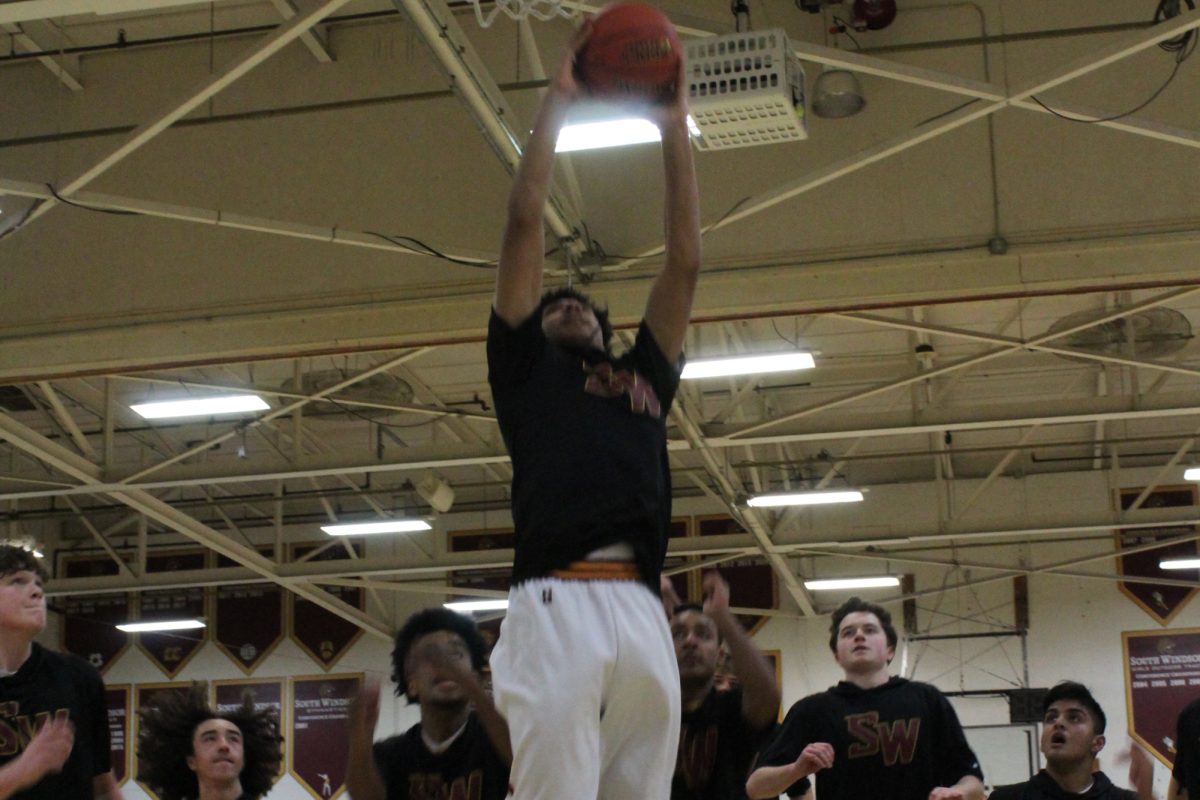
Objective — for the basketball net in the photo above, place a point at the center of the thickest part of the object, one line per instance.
(544, 10)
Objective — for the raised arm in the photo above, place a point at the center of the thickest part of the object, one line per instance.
(771, 782)
(760, 695)
(519, 277)
(670, 304)
(362, 778)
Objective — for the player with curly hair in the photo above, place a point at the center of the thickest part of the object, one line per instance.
(189, 752)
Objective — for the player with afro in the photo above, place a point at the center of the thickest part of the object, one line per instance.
(189, 752)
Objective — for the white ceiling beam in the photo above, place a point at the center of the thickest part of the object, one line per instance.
(260, 52)
(987, 355)
(67, 421)
(79, 468)
(458, 60)
(66, 72)
(1124, 48)
(314, 39)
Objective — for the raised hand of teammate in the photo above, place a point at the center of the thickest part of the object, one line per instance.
(1141, 771)
(816, 756)
(364, 713)
(716, 595)
(670, 598)
(947, 793)
(49, 750)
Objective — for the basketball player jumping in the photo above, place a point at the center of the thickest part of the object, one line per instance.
(585, 670)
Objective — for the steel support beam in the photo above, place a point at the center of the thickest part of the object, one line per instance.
(67, 75)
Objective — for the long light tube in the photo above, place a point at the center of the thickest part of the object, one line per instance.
(477, 605)
(391, 526)
(851, 583)
(162, 625)
(747, 365)
(1179, 563)
(1192, 474)
(201, 406)
(608, 133)
(805, 499)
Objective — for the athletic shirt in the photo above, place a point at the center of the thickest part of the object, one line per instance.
(469, 769)
(716, 750)
(588, 438)
(1043, 787)
(53, 684)
(898, 741)
(1187, 749)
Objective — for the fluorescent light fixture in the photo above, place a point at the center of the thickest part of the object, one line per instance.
(202, 406)
(747, 365)
(163, 625)
(851, 583)
(1192, 474)
(391, 526)
(607, 133)
(805, 498)
(477, 605)
(1179, 563)
(693, 128)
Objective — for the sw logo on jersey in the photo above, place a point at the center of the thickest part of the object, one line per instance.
(432, 787)
(604, 381)
(16, 731)
(897, 740)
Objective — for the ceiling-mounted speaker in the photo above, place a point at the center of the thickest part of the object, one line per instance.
(874, 15)
(837, 94)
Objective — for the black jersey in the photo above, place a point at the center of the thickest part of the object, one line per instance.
(898, 741)
(1187, 749)
(588, 438)
(469, 769)
(1043, 787)
(716, 749)
(49, 685)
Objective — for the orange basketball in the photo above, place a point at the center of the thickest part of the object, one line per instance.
(633, 54)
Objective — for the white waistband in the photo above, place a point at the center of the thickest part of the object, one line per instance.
(621, 551)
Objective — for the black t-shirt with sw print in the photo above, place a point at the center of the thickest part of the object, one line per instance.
(588, 439)
(716, 750)
(469, 769)
(898, 741)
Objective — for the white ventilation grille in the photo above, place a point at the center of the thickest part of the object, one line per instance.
(746, 89)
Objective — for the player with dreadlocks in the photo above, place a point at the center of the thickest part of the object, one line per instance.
(189, 752)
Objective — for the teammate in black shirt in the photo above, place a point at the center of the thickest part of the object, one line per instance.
(1072, 736)
(186, 751)
(584, 669)
(54, 741)
(1185, 777)
(454, 751)
(721, 730)
(872, 735)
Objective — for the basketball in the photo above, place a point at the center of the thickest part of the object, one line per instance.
(632, 55)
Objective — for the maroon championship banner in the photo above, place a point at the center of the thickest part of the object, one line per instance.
(1162, 675)
(498, 579)
(144, 694)
(319, 754)
(1160, 601)
(322, 634)
(120, 711)
(752, 583)
(171, 651)
(89, 621)
(247, 619)
(266, 693)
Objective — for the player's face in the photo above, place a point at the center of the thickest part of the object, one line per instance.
(696, 645)
(572, 323)
(431, 662)
(22, 604)
(1067, 733)
(862, 645)
(216, 751)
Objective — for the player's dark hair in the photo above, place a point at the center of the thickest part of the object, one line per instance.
(689, 606)
(429, 621)
(553, 295)
(858, 605)
(165, 741)
(18, 559)
(1070, 690)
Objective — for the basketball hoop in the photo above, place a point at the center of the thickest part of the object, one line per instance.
(544, 10)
